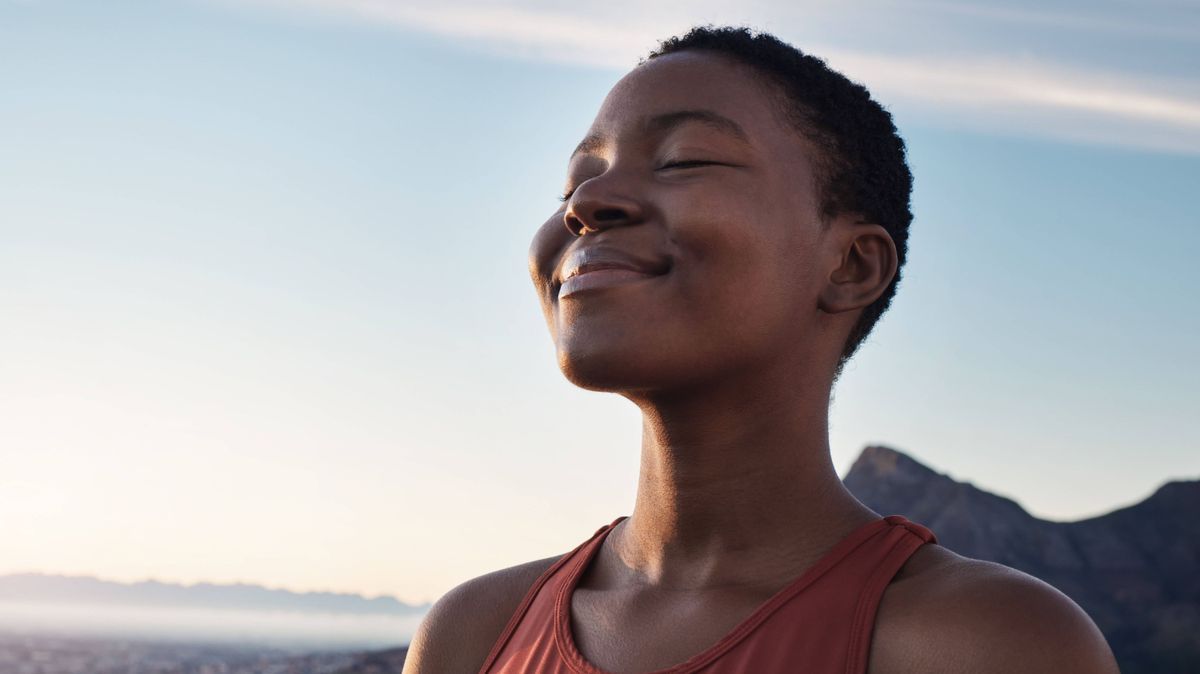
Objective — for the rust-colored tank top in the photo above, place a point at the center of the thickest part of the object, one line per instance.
(818, 624)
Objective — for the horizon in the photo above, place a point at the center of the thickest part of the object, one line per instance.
(189, 584)
(266, 264)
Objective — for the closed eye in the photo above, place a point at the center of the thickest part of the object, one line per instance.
(683, 164)
(687, 164)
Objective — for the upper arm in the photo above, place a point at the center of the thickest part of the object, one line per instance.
(986, 618)
(1022, 624)
(460, 629)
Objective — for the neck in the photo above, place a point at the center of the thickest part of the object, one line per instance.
(736, 486)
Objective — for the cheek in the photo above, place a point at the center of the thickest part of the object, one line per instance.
(744, 260)
(549, 237)
(545, 251)
(733, 242)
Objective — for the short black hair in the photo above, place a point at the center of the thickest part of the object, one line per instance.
(862, 167)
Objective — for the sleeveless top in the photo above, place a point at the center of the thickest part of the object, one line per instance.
(820, 623)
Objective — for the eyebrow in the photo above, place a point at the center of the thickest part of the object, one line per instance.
(667, 121)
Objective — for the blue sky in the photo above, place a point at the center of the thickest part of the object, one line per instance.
(266, 308)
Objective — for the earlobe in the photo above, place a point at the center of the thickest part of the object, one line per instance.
(867, 264)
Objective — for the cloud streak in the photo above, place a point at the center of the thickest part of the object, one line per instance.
(999, 92)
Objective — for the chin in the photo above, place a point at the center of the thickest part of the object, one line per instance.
(616, 367)
(610, 369)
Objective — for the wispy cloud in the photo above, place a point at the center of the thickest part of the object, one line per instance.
(1145, 18)
(989, 88)
(1034, 97)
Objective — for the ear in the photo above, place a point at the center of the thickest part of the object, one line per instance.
(864, 263)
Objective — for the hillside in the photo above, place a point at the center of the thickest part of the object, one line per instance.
(1133, 569)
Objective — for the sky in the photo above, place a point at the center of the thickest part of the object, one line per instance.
(265, 314)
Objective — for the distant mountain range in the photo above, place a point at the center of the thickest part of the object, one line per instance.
(1135, 570)
(44, 588)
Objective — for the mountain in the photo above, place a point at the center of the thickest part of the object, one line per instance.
(45, 588)
(390, 661)
(1135, 570)
(59, 654)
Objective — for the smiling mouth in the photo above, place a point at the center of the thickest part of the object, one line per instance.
(600, 279)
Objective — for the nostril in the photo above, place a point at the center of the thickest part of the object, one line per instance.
(574, 225)
(597, 220)
(610, 214)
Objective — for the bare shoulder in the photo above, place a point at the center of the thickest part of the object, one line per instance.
(460, 629)
(948, 613)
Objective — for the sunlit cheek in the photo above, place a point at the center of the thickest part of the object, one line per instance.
(545, 247)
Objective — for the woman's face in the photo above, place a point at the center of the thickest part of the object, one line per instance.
(691, 175)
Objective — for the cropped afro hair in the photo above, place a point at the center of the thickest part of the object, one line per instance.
(861, 168)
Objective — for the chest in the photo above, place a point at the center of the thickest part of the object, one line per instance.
(627, 633)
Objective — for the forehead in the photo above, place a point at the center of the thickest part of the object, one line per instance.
(655, 94)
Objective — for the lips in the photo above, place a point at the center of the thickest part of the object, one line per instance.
(598, 267)
(594, 258)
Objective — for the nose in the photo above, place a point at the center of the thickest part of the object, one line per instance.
(591, 210)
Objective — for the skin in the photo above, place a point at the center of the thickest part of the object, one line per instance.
(730, 356)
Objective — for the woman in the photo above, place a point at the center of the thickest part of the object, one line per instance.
(734, 224)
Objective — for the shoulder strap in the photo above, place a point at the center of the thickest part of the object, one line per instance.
(533, 590)
(901, 542)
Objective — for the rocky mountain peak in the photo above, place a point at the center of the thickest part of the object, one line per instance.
(1132, 569)
(877, 462)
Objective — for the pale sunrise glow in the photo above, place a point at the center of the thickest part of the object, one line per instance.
(267, 316)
